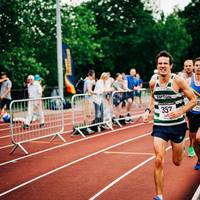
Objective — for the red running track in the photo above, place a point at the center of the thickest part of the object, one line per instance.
(110, 165)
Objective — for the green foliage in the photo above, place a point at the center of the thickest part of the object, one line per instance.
(19, 63)
(106, 35)
(127, 35)
(191, 15)
(174, 38)
(79, 31)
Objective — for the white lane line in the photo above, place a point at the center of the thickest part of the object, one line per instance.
(45, 142)
(73, 142)
(71, 163)
(196, 194)
(123, 176)
(10, 145)
(128, 153)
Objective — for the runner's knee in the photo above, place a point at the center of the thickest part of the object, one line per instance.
(159, 161)
(198, 139)
(177, 161)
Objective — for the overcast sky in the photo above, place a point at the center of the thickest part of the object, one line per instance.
(168, 5)
(165, 5)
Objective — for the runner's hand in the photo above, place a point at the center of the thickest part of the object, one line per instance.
(175, 114)
(146, 117)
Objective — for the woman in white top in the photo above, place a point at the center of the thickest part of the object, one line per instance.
(100, 90)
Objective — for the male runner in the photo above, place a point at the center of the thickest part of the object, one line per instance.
(167, 93)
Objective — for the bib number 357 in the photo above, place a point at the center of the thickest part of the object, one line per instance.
(165, 109)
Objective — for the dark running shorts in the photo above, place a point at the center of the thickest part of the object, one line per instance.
(129, 95)
(4, 102)
(175, 133)
(194, 122)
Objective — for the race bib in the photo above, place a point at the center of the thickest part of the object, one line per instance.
(165, 109)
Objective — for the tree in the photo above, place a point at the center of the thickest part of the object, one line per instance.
(126, 30)
(79, 31)
(19, 63)
(192, 17)
(29, 39)
(174, 38)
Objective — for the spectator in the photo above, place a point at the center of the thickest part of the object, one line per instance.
(138, 92)
(89, 82)
(132, 83)
(118, 98)
(109, 82)
(5, 92)
(100, 90)
(34, 92)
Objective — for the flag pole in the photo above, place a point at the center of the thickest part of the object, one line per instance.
(59, 49)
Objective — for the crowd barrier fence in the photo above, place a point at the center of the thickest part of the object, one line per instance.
(91, 111)
(34, 119)
(96, 111)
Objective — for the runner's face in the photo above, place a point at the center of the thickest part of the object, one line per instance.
(197, 67)
(188, 66)
(163, 66)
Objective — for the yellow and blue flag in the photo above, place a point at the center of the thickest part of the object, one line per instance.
(69, 70)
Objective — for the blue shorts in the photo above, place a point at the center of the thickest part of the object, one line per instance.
(175, 133)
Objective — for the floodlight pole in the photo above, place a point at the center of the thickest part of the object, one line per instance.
(59, 49)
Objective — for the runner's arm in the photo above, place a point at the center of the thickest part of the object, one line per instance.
(187, 91)
(151, 102)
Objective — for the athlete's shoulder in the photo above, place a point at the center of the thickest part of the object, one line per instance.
(180, 82)
(152, 82)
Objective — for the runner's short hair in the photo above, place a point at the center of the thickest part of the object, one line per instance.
(196, 59)
(164, 54)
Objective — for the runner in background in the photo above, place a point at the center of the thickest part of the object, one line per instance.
(194, 113)
(188, 69)
(187, 73)
(167, 94)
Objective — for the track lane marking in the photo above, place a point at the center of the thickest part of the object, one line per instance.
(69, 143)
(128, 153)
(71, 163)
(121, 177)
(126, 174)
(4, 147)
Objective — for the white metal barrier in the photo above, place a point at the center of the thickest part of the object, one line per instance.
(33, 119)
(91, 112)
